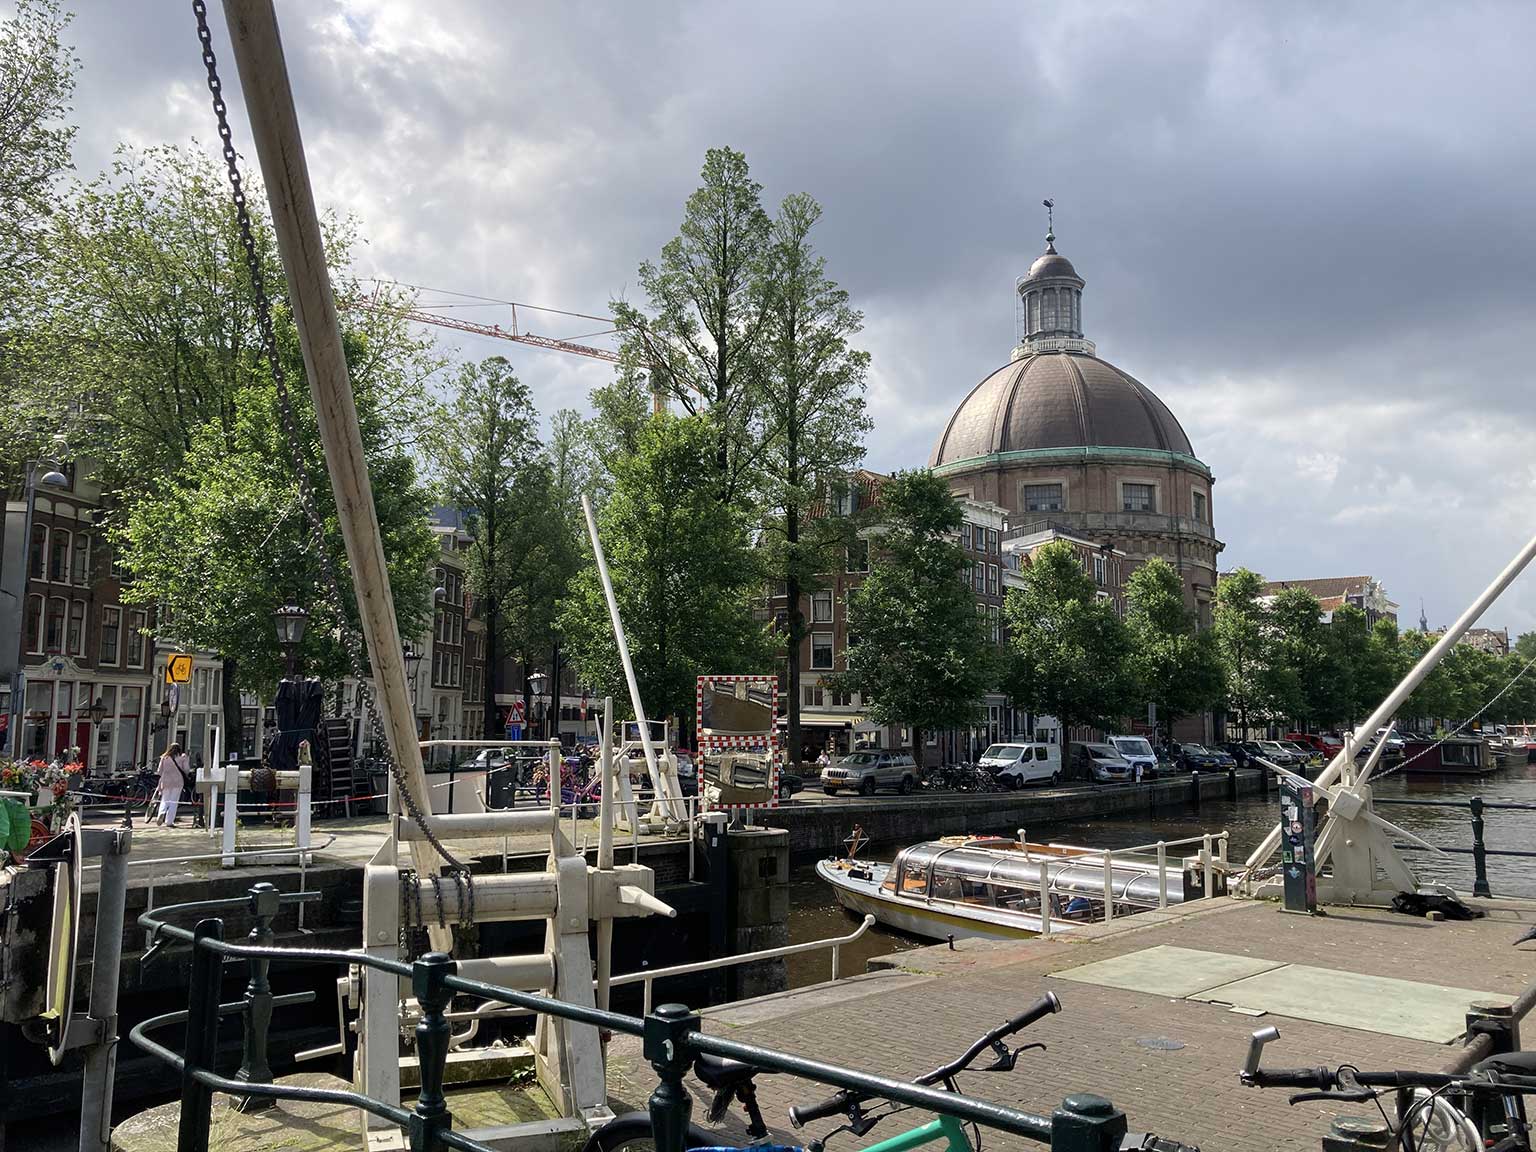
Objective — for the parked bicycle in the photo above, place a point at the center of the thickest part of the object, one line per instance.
(733, 1081)
(1482, 1110)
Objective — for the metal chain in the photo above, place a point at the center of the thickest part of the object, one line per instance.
(351, 644)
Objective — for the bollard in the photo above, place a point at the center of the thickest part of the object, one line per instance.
(1263, 780)
(1497, 1021)
(254, 1068)
(1087, 1123)
(1194, 790)
(202, 1038)
(664, 1046)
(1232, 783)
(1479, 850)
(431, 1118)
(1357, 1134)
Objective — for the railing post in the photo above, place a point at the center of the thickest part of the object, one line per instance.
(664, 1046)
(1109, 888)
(1479, 851)
(1087, 1123)
(431, 1118)
(202, 1037)
(837, 962)
(1205, 862)
(1162, 874)
(254, 1068)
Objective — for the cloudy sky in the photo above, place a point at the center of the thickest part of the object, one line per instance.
(1309, 230)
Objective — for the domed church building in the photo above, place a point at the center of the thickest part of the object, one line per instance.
(1069, 443)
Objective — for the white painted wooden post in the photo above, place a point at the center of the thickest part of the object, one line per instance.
(1205, 861)
(231, 811)
(378, 1037)
(1045, 897)
(302, 812)
(1162, 874)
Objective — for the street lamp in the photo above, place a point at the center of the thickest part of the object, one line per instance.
(536, 682)
(96, 712)
(15, 586)
(412, 666)
(290, 620)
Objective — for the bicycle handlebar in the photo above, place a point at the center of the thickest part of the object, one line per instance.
(842, 1101)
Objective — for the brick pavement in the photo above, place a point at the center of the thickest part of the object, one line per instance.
(904, 1022)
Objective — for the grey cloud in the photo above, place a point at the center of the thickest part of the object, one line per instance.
(1307, 229)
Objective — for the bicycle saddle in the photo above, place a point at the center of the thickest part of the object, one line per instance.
(721, 1074)
(1513, 1063)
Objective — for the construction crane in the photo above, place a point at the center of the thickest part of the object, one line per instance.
(376, 303)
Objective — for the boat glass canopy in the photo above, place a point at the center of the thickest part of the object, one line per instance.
(936, 870)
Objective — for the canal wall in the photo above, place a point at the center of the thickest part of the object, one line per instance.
(818, 830)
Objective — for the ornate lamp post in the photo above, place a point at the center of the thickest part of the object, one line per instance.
(290, 620)
(536, 682)
(412, 666)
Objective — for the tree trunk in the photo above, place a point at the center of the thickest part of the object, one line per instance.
(554, 690)
(917, 747)
(492, 728)
(234, 720)
(796, 637)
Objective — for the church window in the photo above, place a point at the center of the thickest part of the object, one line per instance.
(1199, 503)
(1138, 497)
(1043, 498)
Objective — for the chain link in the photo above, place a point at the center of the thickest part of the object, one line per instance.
(351, 643)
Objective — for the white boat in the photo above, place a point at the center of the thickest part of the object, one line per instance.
(990, 887)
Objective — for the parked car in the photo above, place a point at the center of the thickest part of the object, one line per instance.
(1305, 753)
(1102, 764)
(1324, 742)
(1199, 758)
(790, 783)
(1277, 753)
(1136, 750)
(1019, 764)
(687, 774)
(870, 770)
(1249, 748)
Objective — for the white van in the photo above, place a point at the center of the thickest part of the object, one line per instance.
(1019, 764)
(1135, 750)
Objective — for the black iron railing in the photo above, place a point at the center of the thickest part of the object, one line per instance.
(1479, 851)
(670, 1041)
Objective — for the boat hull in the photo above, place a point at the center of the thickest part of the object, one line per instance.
(931, 919)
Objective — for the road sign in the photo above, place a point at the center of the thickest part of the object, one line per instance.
(516, 713)
(178, 668)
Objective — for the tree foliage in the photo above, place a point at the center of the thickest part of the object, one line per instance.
(37, 81)
(1238, 627)
(488, 463)
(814, 421)
(1069, 654)
(1175, 665)
(921, 657)
(683, 574)
(700, 342)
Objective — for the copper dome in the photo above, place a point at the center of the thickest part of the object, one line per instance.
(1058, 400)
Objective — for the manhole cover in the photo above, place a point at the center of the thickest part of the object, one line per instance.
(1161, 1043)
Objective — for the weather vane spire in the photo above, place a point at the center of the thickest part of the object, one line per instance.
(1050, 225)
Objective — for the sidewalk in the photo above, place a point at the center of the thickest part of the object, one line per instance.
(1170, 1064)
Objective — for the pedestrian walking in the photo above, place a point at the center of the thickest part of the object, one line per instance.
(173, 766)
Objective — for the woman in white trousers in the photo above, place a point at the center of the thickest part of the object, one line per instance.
(172, 765)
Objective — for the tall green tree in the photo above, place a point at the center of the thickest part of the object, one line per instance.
(1175, 664)
(701, 340)
(812, 400)
(1301, 683)
(1238, 625)
(486, 461)
(922, 657)
(684, 576)
(218, 545)
(37, 82)
(1069, 653)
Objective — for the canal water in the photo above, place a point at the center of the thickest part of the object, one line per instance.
(815, 915)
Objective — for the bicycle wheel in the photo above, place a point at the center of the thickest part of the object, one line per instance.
(631, 1132)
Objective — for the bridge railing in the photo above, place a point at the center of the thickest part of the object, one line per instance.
(670, 1038)
(1479, 850)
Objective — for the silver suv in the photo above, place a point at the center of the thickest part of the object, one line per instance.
(866, 771)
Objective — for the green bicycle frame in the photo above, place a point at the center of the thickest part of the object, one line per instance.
(945, 1128)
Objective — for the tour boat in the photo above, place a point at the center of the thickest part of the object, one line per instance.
(989, 887)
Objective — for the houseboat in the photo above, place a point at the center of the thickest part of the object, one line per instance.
(990, 887)
(1454, 756)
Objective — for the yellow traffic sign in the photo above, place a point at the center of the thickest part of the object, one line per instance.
(178, 669)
